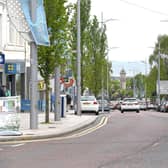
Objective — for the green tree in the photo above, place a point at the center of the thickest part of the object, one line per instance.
(50, 57)
(95, 60)
(93, 49)
(153, 60)
(85, 7)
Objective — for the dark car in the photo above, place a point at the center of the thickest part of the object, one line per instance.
(104, 105)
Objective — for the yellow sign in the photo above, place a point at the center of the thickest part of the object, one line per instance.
(41, 85)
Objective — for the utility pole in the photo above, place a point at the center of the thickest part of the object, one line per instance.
(57, 114)
(107, 77)
(33, 90)
(159, 75)
(146, 83)
(102, 94)
(78, 59)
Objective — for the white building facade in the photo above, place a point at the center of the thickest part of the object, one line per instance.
(17, 56)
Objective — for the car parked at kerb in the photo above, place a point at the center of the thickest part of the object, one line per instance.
(89, 104)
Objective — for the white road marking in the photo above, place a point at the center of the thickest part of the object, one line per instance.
(17, 145)
(155, 144)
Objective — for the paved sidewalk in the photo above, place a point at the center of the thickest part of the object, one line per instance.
(67, 124)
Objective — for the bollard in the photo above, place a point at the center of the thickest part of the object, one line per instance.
(63, 105)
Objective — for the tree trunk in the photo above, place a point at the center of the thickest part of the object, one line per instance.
(47, 118)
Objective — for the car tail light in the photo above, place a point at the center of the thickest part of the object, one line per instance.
(95, 102)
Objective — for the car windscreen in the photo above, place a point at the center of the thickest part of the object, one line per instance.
(87, 98)
(130, 100)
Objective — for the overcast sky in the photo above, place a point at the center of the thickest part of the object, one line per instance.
(137, 29)
(138, 26)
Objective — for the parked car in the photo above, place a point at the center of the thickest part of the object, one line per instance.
(89, 104)
(130, 104)
(104, 104)
(164, 106)
(118, 105)
(143, 105)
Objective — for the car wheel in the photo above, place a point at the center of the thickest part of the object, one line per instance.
(137, 111)
(122, 111)
(97, 112)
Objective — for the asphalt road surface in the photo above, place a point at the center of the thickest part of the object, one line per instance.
(129, 140)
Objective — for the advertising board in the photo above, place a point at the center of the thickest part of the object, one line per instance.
(163, 87)
(9, 108)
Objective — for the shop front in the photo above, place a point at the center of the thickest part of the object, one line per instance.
(15, 78)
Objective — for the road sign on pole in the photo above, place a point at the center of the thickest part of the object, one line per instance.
(163, 87)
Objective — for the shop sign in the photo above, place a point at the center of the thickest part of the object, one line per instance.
(2, 58)
(2, 62)
(41, 85)
(12, 68)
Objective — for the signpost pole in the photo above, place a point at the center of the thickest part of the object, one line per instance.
(159, 75)
(33, 111)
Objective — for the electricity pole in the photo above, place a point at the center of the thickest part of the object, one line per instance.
(33, 110)
(78, 59)
(159, 75)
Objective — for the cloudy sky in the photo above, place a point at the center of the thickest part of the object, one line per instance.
(138, 26)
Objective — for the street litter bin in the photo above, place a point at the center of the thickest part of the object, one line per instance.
(63, 105)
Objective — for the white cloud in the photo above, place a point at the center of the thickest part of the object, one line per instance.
(137, 28)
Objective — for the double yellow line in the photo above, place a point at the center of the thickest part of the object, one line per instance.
(102, 123)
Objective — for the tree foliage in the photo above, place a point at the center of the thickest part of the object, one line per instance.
(93, 49)
(162, 45)
(50, 57)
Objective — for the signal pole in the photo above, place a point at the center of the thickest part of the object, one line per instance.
(78, 59)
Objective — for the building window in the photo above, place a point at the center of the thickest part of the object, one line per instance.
(14, 36)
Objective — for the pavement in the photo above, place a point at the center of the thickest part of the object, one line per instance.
(67, 124)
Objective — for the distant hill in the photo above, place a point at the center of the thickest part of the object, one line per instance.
(131, 68)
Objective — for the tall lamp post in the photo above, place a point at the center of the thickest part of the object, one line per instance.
(159, 75)
(145, 62)
(78, 60)
(108, 69)
(102, 90)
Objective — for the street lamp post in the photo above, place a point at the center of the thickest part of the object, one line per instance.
(102, 90)
(102, 94)
(145, 62)
(108, 69)
(78, 60)
(159, 75)
(33, 115)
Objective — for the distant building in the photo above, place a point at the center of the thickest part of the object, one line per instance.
(123, 79)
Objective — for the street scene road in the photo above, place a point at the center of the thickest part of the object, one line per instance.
(132, 140)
